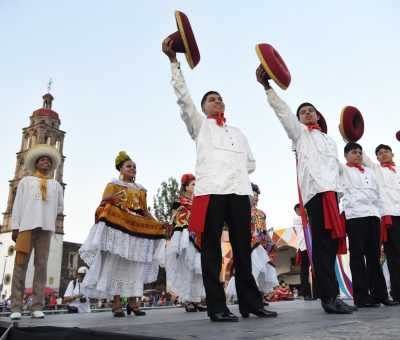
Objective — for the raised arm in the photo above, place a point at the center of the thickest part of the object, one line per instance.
(293, 127)
(189, 114)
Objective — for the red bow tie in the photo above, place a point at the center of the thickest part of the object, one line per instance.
(356, 165)
(220, 118)
(313, 127)
(390, 166)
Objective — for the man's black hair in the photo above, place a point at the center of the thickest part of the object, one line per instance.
(382, 146)
(296, 206)
(351, 146)
(203, 100)
(301, 106)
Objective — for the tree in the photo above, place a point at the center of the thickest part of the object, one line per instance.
(167, 194)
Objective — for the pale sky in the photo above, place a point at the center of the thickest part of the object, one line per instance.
(112, 90)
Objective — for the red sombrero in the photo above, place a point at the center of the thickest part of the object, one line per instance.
(398, 135)
(322, 122)
(351, 125)
(274, 65)
(184, 40)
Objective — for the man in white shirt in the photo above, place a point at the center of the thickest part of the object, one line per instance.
(319, 181)
(74, 297)
(38, 201)
(388, 177)
(361, 208)
(224, 160)
(305, 263)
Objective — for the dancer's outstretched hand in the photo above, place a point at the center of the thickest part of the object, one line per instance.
(262, 77)
(168, 50)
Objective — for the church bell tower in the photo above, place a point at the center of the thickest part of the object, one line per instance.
(44, 128)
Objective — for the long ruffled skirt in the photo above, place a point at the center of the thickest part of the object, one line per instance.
(263, 272)
(120, 264)
(183, 268)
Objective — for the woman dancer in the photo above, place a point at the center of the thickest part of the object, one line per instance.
(126, 245)
(183, 259)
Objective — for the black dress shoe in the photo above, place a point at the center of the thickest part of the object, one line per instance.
(345, 305)
(333, 306)
(261, 313)
(224, 317)
(389, 303)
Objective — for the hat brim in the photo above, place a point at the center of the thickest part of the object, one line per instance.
(322, 122)
(274, 65)
(351, 124)
(41, 150)
(184, 40)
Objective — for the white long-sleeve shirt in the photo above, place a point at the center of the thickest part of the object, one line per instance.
(224, 158)
(298, 228)
(318, 162)
(389, 187)
(361, 194)
(30, 211)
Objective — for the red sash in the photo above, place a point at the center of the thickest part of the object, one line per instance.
(198, 214)
(332, 220)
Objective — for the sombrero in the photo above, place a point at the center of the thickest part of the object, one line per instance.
(351, 124)
(41, 150)
(274, 65)
(322, 122)
(398, 135)
(184, 40)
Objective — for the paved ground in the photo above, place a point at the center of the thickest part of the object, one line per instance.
(297, 320)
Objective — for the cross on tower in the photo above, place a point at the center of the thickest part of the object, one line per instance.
(49, 85)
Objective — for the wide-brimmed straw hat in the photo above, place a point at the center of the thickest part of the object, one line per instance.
(274, 65)
(184, 40)
(351, 124)
(42, 150)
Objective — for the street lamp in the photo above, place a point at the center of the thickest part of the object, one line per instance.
(4, 271)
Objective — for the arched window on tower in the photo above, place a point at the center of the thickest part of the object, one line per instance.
(47, 138)
(28, 143)
(33, 139)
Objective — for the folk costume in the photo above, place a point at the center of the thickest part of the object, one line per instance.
(318, 177)
(388, 177)
(38, 201)
(124, 248)
(183, 258)
(361, 208)
(224, 160)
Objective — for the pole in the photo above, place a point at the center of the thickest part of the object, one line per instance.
(4, 271)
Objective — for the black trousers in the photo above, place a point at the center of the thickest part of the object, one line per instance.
(235, 211)
(324, 249)
(392, 250)
(369, 283)
(304, 274)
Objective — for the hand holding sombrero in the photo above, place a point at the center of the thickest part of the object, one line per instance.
(273, 65)
(183, 40)
(351, 124)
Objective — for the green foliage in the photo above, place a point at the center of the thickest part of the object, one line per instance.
(167, 194)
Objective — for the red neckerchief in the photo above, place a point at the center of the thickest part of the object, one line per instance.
(390, 166)
(356, 165)
(313, 127)
(220, 118)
